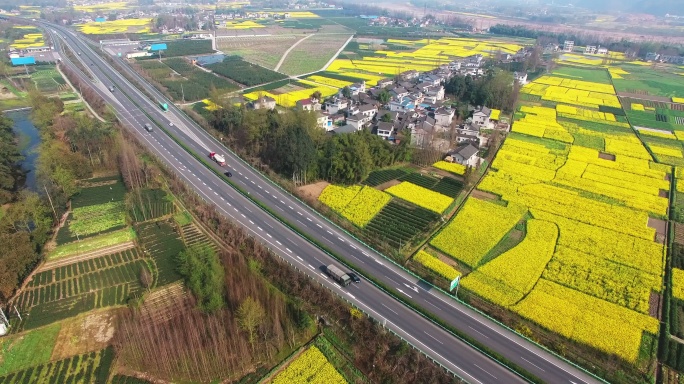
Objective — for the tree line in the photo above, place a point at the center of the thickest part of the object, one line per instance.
(72, 147)
(292, 144)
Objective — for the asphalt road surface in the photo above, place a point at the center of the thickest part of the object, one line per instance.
(135, 110)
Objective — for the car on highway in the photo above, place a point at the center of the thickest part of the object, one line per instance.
(111, 89)
(170, 124)
(148, 127)
(228, 174)
(354, 278)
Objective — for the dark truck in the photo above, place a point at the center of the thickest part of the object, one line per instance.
(338, 275)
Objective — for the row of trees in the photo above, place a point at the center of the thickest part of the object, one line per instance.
(293, 145)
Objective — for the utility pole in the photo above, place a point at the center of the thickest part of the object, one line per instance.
(51, 205)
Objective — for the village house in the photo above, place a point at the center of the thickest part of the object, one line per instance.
(264, 102)
(465, 154)
(520, 77)
(481, 116)
(384, 130)
(335, 105)
(402, 105)
(309, 105)
(444, 116)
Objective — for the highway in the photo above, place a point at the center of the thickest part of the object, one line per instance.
(134, 110)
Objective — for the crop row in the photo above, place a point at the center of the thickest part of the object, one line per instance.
(82, 267)
(436, 265)
(398, 223)
(379, 177)
(355, 203)
(93, 367)
(88, 282)
(53, 311)
(161, 241)
(151, 204)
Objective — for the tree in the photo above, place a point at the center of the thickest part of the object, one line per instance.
(203, 273)
(316, 95)
(346, 92)
(250, 316)
(384, 96)
(386, 118)
(145, 277)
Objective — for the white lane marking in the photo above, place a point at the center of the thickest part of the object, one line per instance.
(309, 219)
(389, 309)
(300, 259)
(279, 243)
(352, 296)
(324, 275)
(251, 222)
(243, 215)
(224, 199)
(282, 201)
(203, 183)
(319, 226)
(434, 338)
(240, 173)
(483, 370)
(252, 181)
(404, 293)
(215, 193)
(246, 178)
(269, 235)
(260, 187)
(378, 261)
(288, 249)
(235, 209)
(194, 175)
(329, 232)
(340, 239)
(352, 246)
(290, 207)
(533, 364)
(438, 308)
(299, 213)
(312, 268)
(229, 204)
(365, 254)
(259, 228)
(487, 337)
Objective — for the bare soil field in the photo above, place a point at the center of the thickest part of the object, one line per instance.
(262, 50)
(312, 191)
(87, 333)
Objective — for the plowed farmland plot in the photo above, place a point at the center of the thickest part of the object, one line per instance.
(151, 204)
(379, 177)
(192, 235)
(68, 290)
(446, 186)
(397, 224)
(87, 368)
(161, 241)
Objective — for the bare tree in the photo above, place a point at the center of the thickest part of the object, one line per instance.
(145, 277)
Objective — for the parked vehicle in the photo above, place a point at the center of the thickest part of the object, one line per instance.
(338, 275)
(218, 158)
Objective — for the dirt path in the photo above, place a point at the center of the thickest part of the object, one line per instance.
(85, 256)
(277, 67)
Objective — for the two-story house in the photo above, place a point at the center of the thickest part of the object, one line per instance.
(264, 102)
(444, 116)
(405, 104)
(335, 105)
(481, 116)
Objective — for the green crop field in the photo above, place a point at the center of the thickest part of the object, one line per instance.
(192, 235)
(162, 242)
(68, 290)
(379, 177)
(585, 74)
(93, 367)
(111, 190)
(646, 80)
(446, 185)
(151, 204)
(23, 351)
(92, 243)
(193, 83)
(233, 67)
(398, 223)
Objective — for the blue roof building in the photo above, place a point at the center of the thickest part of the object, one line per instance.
(29, 60)
(158, 47)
